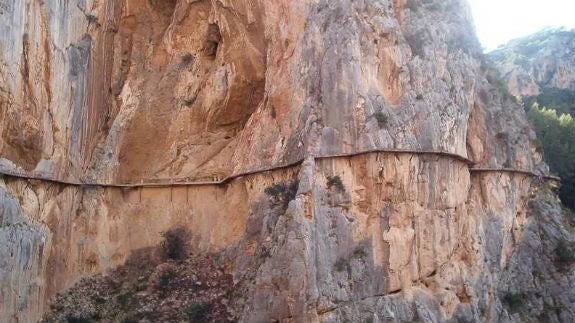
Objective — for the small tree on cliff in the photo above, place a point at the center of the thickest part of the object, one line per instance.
(175, 244)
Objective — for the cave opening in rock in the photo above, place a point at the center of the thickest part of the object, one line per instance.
(213, 39)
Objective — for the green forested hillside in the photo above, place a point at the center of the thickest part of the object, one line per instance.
(560, 100)
(556, 134)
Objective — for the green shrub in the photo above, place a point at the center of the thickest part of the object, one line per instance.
(125, 299)
(175, 244)
(341, 265)
(514, 301)
(359, 253)
(565, 254)
(381, 119)
(282, 192)
(292, 190)
(335, 181)
(141, 286)
(502, 135)
(187, 58)
(264, 252)
(276, 190)
(92, 19)
(200, 312)
(189, 102)
(165, 279)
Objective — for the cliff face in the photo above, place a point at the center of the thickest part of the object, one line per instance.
(547, 60)
(543, 60)
(391, 97)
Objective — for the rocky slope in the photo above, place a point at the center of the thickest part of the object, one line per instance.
(355, 127)
(149, 291)
(543, 60)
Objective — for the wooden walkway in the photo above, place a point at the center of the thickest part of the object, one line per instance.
(218, 181)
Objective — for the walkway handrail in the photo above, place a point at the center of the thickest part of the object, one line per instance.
(179, 182)
(401, 151)
(513, 170)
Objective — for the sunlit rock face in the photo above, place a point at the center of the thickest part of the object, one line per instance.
(140, 91)
(543, 60)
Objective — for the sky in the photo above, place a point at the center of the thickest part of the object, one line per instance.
(498, 21)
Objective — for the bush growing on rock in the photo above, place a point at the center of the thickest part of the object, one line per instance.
(199, 312)
(175, 244)
(189, 102)
(335, 181)
(282, 192)
(381, 119)
(341, 265)
(360, 253)
(187, 58)
(514, 301)
(275, 190)
(165, 279)
(124, 299)
(565, 253)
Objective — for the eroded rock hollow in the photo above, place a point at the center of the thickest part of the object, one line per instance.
(419, 192)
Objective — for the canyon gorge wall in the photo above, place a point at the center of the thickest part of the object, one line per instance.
(199, 106)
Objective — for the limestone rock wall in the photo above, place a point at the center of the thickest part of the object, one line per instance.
(123, 91)
(54, 234)
(409, 238)
(145, 91)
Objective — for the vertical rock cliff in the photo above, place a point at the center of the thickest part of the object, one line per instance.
(419, 192)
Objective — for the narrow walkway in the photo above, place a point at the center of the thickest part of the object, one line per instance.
(218, 181)
(513, 170)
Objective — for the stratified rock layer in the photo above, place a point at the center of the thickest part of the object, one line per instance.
(146, 91)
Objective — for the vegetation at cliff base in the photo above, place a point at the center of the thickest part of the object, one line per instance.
(199, 312)
(149, 288)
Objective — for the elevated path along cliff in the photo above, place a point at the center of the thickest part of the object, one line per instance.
(174, 182)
